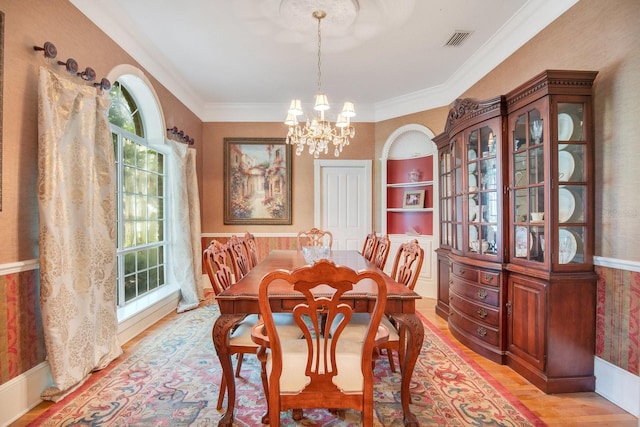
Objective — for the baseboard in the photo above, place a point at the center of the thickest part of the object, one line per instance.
(22, 393)
(618, 386)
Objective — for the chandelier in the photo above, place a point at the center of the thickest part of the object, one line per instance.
(318, 134)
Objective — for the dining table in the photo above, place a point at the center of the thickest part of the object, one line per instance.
(241, 299)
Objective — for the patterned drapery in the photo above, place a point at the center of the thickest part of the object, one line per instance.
(77, 208)
(186, 252)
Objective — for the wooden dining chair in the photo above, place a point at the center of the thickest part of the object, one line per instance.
(220, 274)
(216, 261)
(315, 237)
(406, 269)
(239, 257)
(369, 247)
(322, 371)
(381, 252)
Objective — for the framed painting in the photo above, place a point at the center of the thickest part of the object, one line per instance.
(413, 199)
(257, 181)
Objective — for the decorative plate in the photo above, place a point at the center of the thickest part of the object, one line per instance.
(565, 127)
(566, 165)
(566, 204)
(472, 155)
(522, 234)
(568, 246)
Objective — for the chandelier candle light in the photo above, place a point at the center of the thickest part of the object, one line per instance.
(318, 133)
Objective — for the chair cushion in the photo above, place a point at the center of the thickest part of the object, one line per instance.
(287, 327)
(357, 327)
(294, 360)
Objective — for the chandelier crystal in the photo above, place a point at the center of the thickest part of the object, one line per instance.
(318, 134)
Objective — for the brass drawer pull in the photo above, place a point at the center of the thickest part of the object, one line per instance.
(461, 271)
(482, 294)
(482, 313)
(482, 331)
(488, 278)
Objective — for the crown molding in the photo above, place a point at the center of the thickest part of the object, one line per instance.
(532, 17)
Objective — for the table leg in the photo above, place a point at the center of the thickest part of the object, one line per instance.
(220, 336)
(409, 326)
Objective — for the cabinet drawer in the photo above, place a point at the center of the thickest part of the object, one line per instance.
(464, 272)
(487, 278)
(485, 295)
(477, 330)
(479, 312)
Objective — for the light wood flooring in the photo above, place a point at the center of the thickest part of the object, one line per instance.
(565, 410)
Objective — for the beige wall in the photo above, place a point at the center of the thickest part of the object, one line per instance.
(31, 23)
(361, 147)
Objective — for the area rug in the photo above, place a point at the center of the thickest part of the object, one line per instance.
(171, 378)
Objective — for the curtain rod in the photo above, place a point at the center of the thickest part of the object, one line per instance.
(71, 66)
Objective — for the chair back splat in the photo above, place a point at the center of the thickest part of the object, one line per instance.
(369, 247)
(315, 237)
(240, 260)
(408, 263)
(252, 249)
(381, 252)
(322, 370)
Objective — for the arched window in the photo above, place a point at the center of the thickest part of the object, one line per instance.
(141, 189)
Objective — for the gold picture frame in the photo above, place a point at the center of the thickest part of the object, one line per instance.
(413, 199)
(257, 181)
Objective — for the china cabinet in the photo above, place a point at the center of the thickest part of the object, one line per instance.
(471, 227)
(516, 223)
(551, 283)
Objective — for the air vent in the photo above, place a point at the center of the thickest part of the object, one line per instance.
(457, 38)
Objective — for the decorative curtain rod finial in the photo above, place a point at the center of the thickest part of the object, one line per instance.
(104, 84)
(49, 49)
(71, 65)
(88, 74)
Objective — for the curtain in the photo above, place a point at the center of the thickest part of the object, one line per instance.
(186, 249)
(77, 213)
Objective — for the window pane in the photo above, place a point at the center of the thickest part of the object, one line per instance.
(141, 233)
(140, 191)
(129, 150)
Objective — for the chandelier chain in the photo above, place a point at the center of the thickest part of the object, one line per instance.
(319, 56)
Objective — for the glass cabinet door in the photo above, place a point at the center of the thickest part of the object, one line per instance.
(529, 136)
(446, 199)
(458, 194)
(572, 184)
(482, 189)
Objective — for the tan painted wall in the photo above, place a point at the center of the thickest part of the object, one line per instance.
(30, 23)
(361, 147)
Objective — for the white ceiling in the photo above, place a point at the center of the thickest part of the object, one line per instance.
(244, 60)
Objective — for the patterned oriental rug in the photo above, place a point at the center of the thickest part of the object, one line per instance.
(171, 378)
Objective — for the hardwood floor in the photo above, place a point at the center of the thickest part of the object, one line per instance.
(558, 410)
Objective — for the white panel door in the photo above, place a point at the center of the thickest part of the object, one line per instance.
(343, 200)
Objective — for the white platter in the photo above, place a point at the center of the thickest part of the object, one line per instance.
(473, 182)
(568, 246)
(472, 155)
(565, 127)
(566, 204)
(473, 209)
(521, 241)
(566, 165)
(473, 233)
